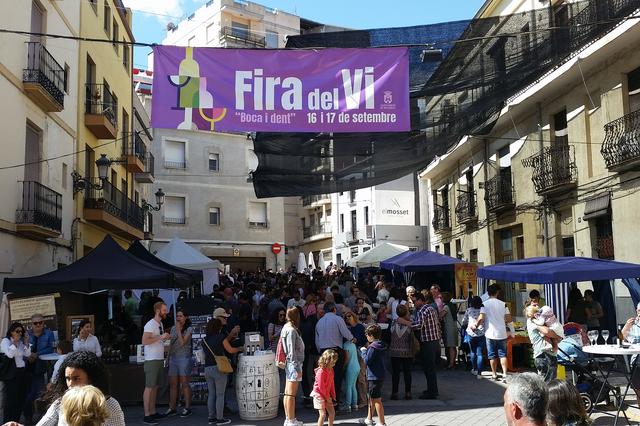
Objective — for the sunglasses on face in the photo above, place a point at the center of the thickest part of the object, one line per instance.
(38, 322)
(19, 331)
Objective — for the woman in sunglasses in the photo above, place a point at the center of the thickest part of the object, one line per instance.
(16, 348)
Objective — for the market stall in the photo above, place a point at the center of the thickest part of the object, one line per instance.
(372, 258)
(87, 285)
(556, 275)
(424, 267)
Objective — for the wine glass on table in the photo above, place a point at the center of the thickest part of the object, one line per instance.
(605, 336)
(592, 336)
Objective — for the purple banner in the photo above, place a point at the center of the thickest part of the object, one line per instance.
(327, 90)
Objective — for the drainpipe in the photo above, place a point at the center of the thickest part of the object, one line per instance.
(486, 178)
(545, 218)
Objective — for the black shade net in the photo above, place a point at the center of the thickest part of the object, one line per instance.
(486, 61)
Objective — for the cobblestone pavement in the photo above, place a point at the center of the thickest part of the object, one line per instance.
(464, 400)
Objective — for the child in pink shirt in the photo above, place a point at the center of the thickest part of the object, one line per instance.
(324, 392)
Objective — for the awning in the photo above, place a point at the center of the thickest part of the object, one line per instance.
(597, 207)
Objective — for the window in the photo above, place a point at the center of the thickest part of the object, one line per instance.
(38, 20)
(214, 162)
(258, 214)
(174, 155)
(560, 134)
(174, 210)
(116, 33)
(437, 249)
(271, 39)
(136, 198)
(239, 30)
(354, 223)
(125, 131)
(473, 255)
(459, 254)
(211, 32)
(114, 101)
(107, 18)
(341, 222)
(633, 83)
(67, 70)
(32, 153)
(126, 51)
(214, 215)
(447, 249)
(366, 215)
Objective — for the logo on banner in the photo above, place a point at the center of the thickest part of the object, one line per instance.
(397, 211)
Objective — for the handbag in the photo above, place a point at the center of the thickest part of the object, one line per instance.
(415, 344)
(222, 362)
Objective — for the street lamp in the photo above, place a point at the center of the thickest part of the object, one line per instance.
(159, 201)
(81, 183)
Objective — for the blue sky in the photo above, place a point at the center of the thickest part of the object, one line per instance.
(151, 16)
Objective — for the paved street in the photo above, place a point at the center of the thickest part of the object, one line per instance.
(464, 399)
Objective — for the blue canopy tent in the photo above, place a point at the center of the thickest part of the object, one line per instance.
(420, 261)
(557, 273)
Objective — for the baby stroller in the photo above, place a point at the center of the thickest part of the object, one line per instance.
(571, 355)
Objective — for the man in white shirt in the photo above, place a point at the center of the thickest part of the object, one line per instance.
(495, 316)
(296, 300)
(153, 340)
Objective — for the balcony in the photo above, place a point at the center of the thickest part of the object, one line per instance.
(498, 193)
(43, 79)
(352, 237)
(259, 225)
(554, 170)
(316, 231)
(100, 114)
(172, 164)
(466, 211)
(604, 247)
(146, 176)
(241, 37)
(111, 209)
(621, 146)
(134, 151)
(310, 200)
(40, 214)
(441, 221)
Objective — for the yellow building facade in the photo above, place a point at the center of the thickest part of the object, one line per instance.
(557, 175)
(105, 117)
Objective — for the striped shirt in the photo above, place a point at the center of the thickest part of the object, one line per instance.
(428, 323)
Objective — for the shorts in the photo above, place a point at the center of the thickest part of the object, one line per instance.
(319, 403)
(496, 348)
(179, 366)
(153, 371)
(375, 389)
(292, 373)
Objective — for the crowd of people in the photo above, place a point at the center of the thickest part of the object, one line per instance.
(337, 335)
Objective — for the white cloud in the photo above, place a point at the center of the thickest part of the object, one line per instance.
(163, 10)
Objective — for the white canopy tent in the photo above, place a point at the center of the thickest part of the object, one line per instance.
(311, 263)
(302, 260)
(179, 253)
(373, 257)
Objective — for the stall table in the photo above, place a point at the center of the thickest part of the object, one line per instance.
(511, 342)
(613, 350)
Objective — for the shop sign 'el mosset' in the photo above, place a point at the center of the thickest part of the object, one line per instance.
(328, 90)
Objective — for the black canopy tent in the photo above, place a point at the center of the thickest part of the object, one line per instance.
(138, 250)
(107, 267)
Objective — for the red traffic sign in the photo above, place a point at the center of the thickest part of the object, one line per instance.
(276, 248)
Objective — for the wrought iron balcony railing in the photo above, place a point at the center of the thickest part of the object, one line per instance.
(307, 200)
(604, 247)
(44, 70)
(621, 146)
(100, 101)
(115, 202)
(498, 193)
(175, 164)
(441, 221)
(242, 36)
(466, 210)
(132, 144)
(554, 170)
(149, 163)
(310, 231)
(41, 206)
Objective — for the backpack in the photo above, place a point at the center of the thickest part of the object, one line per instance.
(281, 357)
